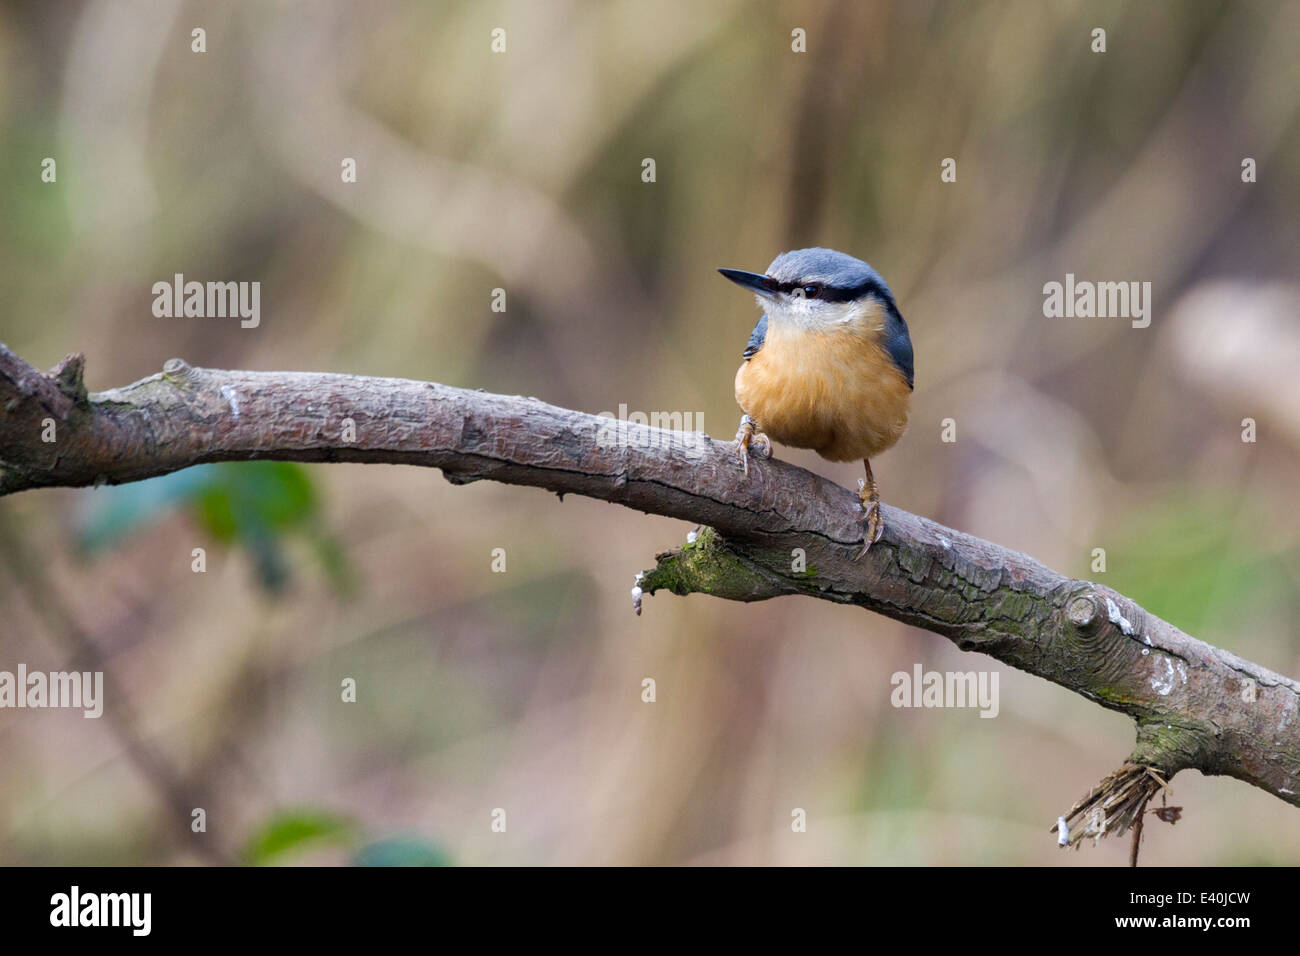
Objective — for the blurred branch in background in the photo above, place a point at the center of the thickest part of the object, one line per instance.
(1195, 706)
(180, 799)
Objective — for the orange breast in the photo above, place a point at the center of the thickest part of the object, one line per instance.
(836, 392)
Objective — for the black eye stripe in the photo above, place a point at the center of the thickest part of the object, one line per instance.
(829, 293)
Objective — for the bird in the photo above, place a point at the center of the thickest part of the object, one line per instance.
(827, 367)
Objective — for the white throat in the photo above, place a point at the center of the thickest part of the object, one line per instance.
(812, 314)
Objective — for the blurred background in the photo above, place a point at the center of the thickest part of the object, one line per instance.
(522, 170)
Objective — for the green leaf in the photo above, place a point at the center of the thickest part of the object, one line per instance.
(254, 505)
(248, 499)
(296, 830)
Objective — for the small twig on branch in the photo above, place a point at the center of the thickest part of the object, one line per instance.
(1194, 706)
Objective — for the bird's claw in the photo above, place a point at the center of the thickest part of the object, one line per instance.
(873, 520)
(749, 437)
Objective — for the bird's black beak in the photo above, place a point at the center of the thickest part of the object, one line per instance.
(752, 281)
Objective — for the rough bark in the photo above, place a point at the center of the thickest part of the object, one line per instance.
(1194, 706)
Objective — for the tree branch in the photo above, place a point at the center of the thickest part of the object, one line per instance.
(1195, 706)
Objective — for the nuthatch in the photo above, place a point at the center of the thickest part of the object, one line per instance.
(828, 366)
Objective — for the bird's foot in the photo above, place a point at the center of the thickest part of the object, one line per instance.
(749, 438)
(873, 521)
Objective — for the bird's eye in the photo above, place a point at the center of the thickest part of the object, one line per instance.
(811, 291)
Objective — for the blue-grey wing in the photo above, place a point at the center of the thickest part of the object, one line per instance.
(756, 338)
(898, 345)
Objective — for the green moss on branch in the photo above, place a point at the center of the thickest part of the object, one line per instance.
(706, 565)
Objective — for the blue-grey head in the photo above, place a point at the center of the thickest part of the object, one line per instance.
(821, 289)
(817, 286)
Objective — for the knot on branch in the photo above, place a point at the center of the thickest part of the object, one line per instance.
(1103, 637)
(461, 477)
(1096, 616)
(177, 370)
(1083, 615)
(68, 376)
